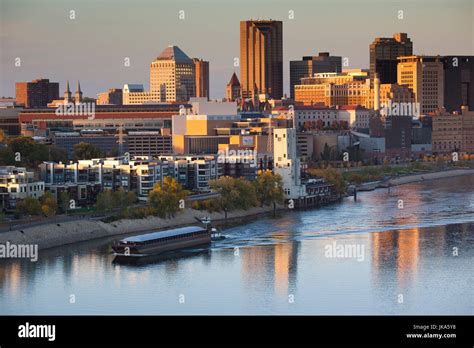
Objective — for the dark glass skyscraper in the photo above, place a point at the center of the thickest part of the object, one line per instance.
(384, 53)
(261, 58)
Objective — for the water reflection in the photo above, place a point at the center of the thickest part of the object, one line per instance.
(276, 258)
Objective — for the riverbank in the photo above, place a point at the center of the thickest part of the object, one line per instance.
(58, 234)
(411, 178)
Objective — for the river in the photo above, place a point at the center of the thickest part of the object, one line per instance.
(412, 253)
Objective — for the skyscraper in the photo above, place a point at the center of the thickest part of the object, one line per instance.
(261, 58)
(202, 78)
(458, 82)
(384, 53)
(173, 76)
(424, 75)
(309, 66)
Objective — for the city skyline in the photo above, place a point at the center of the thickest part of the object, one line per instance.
(101, 66)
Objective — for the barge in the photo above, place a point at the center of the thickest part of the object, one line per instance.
(162, 241)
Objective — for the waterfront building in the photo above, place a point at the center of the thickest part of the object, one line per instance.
(202, 78)
(310, 65)
(37, 93)
(424, 75)
(261, 58)
(384, 53)
(458, 82)
(453, 132)
(233, 89)
(18, 183)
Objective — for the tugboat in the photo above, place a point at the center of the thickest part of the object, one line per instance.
(162, 241)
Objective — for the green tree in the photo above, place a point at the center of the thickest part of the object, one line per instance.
(326, 154)
(164, 199)
(269, 189)
(49, 205)
(29, 206)
(31, 153)
(105, 201)
(85, 151)
(332, 176)
(64, 199)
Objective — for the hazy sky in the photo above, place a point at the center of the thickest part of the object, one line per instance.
(92, 47)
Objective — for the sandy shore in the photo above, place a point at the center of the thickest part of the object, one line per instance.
(53, 235)
(407, 179)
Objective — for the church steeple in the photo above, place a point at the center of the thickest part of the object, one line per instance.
(67, 94)
(78, 93)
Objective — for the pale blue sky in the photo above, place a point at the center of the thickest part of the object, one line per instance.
(92, 47)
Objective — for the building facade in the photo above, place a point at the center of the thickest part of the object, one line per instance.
(37, 93)
(384, 53)
(308, 66)
(261, 58)
(424, 75)
(202, 78)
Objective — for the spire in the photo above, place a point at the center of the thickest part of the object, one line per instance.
(78, 98)
(67, 93)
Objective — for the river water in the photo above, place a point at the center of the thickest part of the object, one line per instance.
(412, 253)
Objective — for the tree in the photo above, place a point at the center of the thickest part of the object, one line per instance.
(164, 199)
(269, 188)
(48, 204)
(64, 199)
(326, 154)
(332, 176)
(85, 151)
(30, 152)
(104, 200)
(229, 195)
(3, 136)
(29, 206)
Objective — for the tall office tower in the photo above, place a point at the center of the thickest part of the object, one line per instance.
(424, 75)
(458, 82)
(173, 76)
(261, 58)
(309, 66)
(384, 53)
(202, 78)
(232, 92)
(37, 93)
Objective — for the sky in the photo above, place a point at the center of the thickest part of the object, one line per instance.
(93, 47)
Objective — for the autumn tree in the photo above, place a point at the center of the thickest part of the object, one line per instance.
(269, 189)
(86, 151)
(49, 205)
(164, 200)
(29, 206)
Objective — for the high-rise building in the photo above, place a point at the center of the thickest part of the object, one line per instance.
(112, 97)
(458, 82)
(261, 58)
(173, 75)
(424, 75)
(37, 93)
(202, 78)
(308, 66)
(384, 53)
(232, 92)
